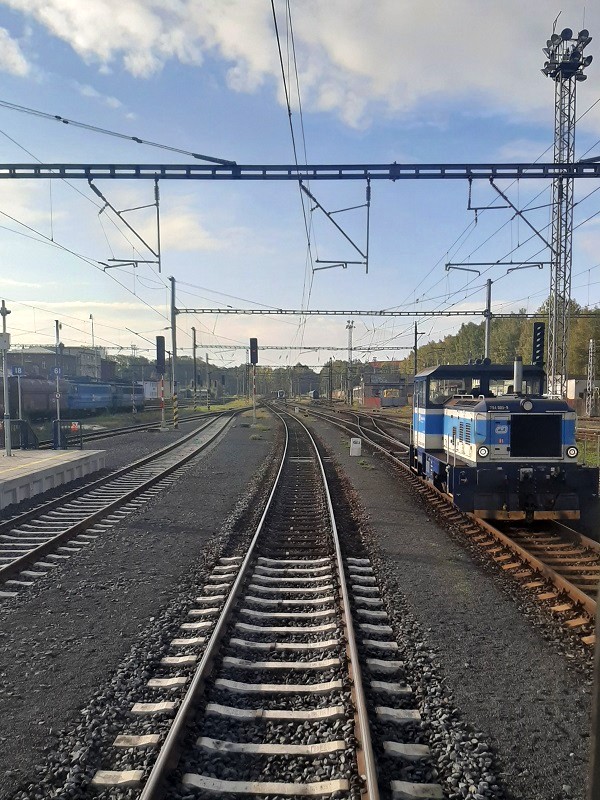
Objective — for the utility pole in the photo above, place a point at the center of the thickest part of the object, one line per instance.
(349, 328)
(96, 376)
(330, 392)
(207, 383)
(174, 353)
(488, 317)
(565, 66)
(5, 348)
(591, 379)
(415, 347)
(195, 369)
(57, 373)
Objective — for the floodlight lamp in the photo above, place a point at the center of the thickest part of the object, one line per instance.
(581, 77)
(575, 55)
(583, 34)
(587, 61)
(555, 38)
(566, 34)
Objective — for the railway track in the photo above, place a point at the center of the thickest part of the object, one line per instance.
(92, 436)
(35, 542)
(264, 689)
(559, 566)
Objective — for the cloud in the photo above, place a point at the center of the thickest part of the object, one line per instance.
(11, 57)
(88, 91)
(181, 230)
(24, 284)
(356, 59)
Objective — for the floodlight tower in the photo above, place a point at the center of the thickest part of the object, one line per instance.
(565, 66)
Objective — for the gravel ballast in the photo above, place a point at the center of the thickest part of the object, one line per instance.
(63, 638)
(510, 679)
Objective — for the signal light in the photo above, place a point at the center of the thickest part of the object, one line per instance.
(160, 355)
(254, 351)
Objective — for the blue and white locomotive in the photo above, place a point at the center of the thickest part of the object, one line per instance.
(486, 435)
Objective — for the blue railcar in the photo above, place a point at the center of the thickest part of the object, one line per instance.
(487, 435)
(126, 396)
(92, 398)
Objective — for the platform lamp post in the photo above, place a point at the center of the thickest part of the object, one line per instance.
(4, 346)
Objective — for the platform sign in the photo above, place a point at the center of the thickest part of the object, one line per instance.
(57, 371)
(17, 370)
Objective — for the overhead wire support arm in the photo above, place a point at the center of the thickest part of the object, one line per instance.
(329, 215)
(520, 214)
(119, 214)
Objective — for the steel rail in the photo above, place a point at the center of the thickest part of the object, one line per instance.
(368, 756)
(169, 756)
(579, 597)
(169, 753)
(50, 505)
(31, 556)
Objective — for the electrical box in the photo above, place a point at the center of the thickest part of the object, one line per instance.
(160, 355)
(355, 446)
(4, 341)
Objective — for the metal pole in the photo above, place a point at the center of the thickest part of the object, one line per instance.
(488, 317)
(349, 328)
(157, 200)
(195, 368)
(20, 397)
(594, 774)
(415, 351)
(94, 347)
(207, 383)
(57, 330)
(7, 438)
(174, 353)
(254, 394)
(163, 425)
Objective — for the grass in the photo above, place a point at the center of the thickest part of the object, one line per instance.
(365, 464)
(255, 437)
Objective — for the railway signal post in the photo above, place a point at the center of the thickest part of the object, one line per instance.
(4, 346)
(254, 362)
(160, 369)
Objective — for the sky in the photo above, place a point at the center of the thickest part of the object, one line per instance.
(369, 81)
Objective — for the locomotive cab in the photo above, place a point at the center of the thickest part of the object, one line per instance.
(486, 435)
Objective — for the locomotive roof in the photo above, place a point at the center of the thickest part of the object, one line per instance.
(511, 403)
(475, 370)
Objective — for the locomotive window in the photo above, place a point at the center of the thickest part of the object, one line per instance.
(536, 436)
(440, 390)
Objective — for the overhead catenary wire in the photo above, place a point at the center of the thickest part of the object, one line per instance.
(106, 132)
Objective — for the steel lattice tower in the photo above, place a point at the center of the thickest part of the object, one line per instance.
(565, 66)
(591, 379)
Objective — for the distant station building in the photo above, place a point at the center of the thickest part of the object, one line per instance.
(382, 386)
(75, 362)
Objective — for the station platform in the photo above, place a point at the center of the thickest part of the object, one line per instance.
(30, 472)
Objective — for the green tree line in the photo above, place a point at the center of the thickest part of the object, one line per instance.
(509, 337)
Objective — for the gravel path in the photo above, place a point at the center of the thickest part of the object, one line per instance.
(64, 638)
(507, 673)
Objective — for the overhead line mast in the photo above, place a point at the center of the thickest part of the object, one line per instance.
(565, 66)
